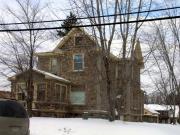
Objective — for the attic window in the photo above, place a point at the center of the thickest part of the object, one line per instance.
(78, 41)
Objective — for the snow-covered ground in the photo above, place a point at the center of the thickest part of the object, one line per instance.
(77, 126)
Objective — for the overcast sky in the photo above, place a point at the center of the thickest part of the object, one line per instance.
(61, 9)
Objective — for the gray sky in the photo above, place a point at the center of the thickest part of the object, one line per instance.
(60, 8)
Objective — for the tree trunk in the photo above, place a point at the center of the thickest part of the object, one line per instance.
(109, 90)
(179, 114)
(29, 93)
(30, 86)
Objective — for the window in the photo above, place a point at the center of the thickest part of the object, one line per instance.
(21, 90)
(53, 65)
(78, 62)
(77, 97)
(63, 94)
(78, 41)
(41, 91)
(60, 93)
(54, 62)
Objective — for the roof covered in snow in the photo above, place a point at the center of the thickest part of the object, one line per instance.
(150, 110)
(50, 75)
(157, 107)
(47, 75)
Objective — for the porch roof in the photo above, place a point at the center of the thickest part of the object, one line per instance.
(47, 76)
(50, 75)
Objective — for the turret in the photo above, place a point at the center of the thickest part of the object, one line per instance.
(138, 54)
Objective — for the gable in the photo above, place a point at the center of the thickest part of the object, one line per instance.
(70, 40)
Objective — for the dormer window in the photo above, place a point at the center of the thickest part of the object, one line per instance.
(78, 60)
(78, 40)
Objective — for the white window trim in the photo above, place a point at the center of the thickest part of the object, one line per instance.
(82, 61)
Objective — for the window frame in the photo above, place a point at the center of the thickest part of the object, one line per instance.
(51, 68)
(22, 93)
(78, 90)
(45, 91)
(65, 98)
(83, 65)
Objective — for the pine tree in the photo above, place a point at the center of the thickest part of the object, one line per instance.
(70, 21)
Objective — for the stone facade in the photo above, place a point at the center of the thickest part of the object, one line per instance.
(85, 88)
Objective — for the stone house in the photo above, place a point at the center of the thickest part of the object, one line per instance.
(68, 81)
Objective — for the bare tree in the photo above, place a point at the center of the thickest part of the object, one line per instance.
(164, 47)
(129, 35)
(98, 12)
(101, 34)
(20, 46)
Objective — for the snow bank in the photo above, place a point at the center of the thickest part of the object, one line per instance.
(77, 126)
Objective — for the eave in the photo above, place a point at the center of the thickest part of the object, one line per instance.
(48, 54)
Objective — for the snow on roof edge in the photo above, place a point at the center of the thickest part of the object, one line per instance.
(149, 109)
(51, 75)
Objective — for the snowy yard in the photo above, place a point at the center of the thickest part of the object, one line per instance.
(75, 126)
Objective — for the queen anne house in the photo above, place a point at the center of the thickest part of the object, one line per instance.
(68, 81)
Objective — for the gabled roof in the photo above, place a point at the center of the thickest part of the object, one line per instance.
(65, 38)
(47, 76)
(61, 42)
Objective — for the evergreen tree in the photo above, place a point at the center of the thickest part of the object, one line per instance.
(70, 21)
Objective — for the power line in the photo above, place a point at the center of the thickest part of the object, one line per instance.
(83, 18)
(92, 25)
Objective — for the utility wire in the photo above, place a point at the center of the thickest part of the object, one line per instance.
(92, 25)
(83, 18)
